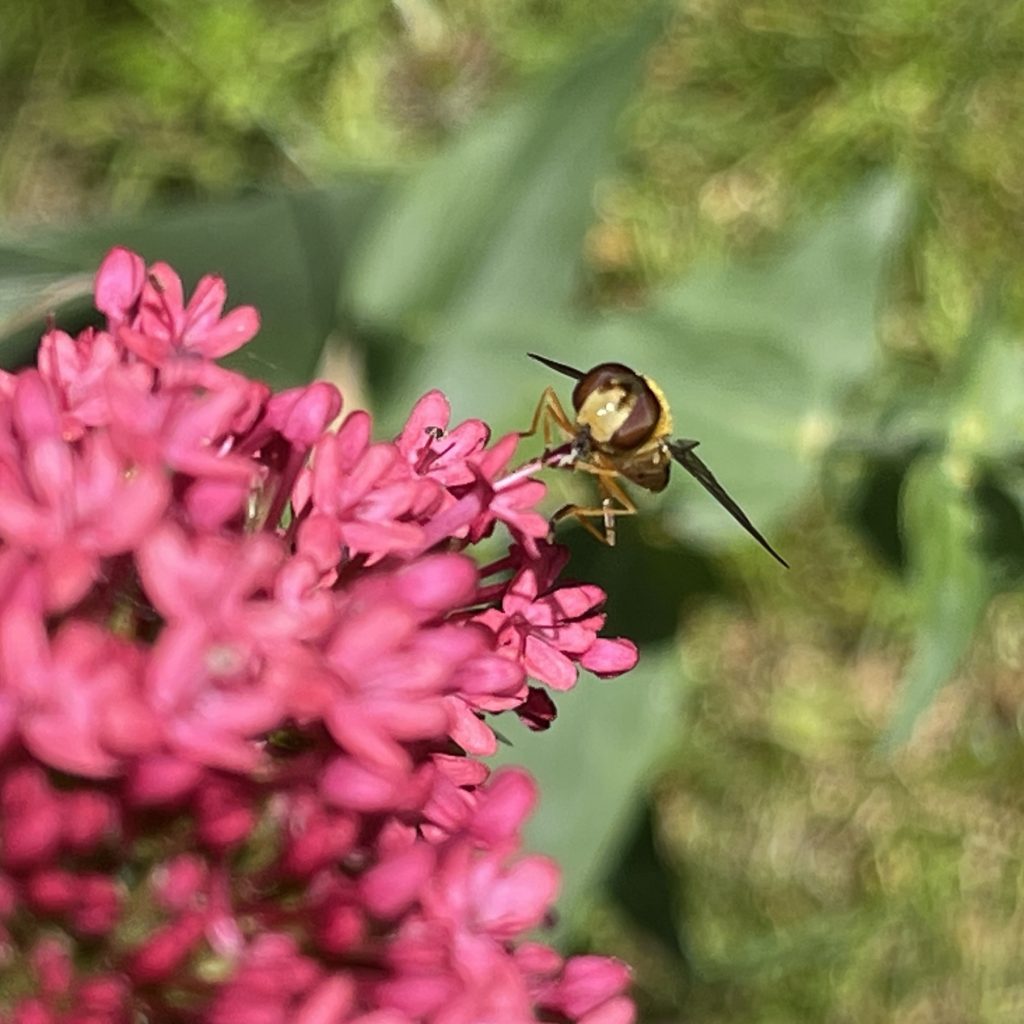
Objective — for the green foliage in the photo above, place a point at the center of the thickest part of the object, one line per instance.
(813, 210)
(950, 578)
(284, 253)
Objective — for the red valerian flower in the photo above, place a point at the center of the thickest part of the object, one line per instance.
(551, 628)
(248, 666)
(164, 325)
(67, 506)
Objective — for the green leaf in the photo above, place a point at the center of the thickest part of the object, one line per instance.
(496, 223)
(647, 888)
(950, 578)
(592, 765)
(986, 410)
(283, 253)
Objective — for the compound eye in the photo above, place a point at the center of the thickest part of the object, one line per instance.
(637, 410)
(640, 422)
(600, 379)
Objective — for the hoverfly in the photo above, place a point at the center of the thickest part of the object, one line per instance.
(623, 428)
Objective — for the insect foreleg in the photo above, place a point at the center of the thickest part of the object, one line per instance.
(550, 413)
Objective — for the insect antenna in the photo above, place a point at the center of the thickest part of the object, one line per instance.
(558, 367)
(682, 452)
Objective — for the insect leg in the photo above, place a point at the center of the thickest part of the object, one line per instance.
(580, 514)
(615, 502)
(550, 413)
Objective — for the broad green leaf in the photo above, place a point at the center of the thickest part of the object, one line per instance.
(33, 285)
(942, 533)
(986, 417)
(283, 253)
(495, 224)
(28, 299)
(647, 888)
(592, 765)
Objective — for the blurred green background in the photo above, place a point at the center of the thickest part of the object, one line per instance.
(803, 219)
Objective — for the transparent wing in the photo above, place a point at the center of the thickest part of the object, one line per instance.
(682, 452)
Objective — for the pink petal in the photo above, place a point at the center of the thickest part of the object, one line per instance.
(302, 414)
(68, 744)
(521, 593)
(50, 470)
(162, 311)
(589, 981)
(466, 438)
(119, 283)
(35, 416)
(238, 327)
(357, 734)
(152, 348)
(549, 666)
(432, 411)
(347, 783)
(328, 1003)
(575, 602)
(468, 730)
(505, 805)
(461, 771)
(69, 574)
(367, 472)
(205, 306)
(455, 518)
(352, 439)
(392, 885)
(162, 779)
(610, 657)
(381, 538)
(490, 675)
(521, 898)
(620, 1010)
(437, 583)
(497, 457)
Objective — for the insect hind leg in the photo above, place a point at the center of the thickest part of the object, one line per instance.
(615, 502)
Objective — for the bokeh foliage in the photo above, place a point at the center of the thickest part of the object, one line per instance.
(804, 221)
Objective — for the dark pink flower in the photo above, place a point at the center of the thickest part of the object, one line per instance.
(166, 949)
(81, 709)
(271, 984)
(230, 663)
(76, 371)
(432, 450)
(553, 628)
(247, 669)
(512, 500)
(69, 505)
(591, 990)
(165, 326)
(30, 823)
(363, 498)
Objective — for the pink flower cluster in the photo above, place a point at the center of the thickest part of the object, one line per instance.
(247, 669)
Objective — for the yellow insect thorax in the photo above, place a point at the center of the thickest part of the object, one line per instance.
(664, 427)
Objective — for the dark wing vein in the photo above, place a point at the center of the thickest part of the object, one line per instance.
(682, 452)
(558, 367)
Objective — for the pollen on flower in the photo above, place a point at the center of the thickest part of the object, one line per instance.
(248, 666)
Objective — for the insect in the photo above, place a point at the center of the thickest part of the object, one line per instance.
(623, 428)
